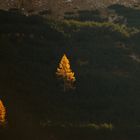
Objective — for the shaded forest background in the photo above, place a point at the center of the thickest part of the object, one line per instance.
(103, 49)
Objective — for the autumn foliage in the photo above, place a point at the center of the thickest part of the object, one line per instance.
(2, 113)
(65, 73)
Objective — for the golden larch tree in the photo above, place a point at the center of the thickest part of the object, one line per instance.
(2, 113)
(65, 73)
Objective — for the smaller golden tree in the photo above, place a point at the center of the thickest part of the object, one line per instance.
(2, 113)
(65, 73)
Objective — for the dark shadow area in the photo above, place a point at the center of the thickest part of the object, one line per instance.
(107, 79)
(131, 14)
(84, 16)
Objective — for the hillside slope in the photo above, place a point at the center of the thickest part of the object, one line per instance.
(59, 7)
(104, 57)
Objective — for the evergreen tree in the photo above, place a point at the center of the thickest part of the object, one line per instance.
(65, 73)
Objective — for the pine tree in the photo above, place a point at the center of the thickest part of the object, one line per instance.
(2, 113)
(65, 73)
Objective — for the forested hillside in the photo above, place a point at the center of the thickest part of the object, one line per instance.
(102, 47)
(102, 54)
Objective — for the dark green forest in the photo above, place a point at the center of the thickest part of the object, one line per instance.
(105, 57)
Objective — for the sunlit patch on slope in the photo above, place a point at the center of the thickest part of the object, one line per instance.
(135, 57)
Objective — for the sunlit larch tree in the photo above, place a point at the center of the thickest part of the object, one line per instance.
(65, 73)
(2, 113)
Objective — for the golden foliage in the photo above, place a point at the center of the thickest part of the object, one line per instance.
(64, 72)
(2, 113)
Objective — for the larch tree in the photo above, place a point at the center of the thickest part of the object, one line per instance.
(2, 113)
(64, 72)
